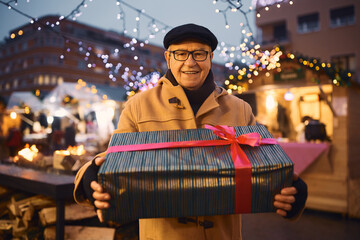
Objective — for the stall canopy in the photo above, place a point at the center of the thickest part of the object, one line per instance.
(19, 99)
(82, 98)
(90, 93)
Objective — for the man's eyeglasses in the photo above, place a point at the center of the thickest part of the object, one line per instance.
(183, 55)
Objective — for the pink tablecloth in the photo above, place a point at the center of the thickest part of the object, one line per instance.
(303, 154)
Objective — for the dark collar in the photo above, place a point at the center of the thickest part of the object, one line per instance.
(196, 97)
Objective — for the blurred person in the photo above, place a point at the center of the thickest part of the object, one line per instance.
(70, 134)
(14, 141)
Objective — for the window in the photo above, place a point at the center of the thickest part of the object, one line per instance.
(308, 23)
(46, 60)
(24, 46)
(54, 60)
(54, 41)
(345, 62)
(8, 68)
(60, 80)
(47, 80)
(23, 83)
(15, 83)
(25, 64)
(36, 60)
(342, 16)
(280, 33)
(53, 79)
(81, 65)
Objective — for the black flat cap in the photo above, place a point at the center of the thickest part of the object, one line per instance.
(190, 31)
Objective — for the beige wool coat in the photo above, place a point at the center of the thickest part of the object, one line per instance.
(152, 111)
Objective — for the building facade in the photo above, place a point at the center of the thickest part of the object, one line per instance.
(324, 29)
(41, 55)
(328, 30)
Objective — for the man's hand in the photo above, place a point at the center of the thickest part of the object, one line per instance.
(101, 198)
(284, 200)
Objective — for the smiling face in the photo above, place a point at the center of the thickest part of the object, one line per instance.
(190, 74)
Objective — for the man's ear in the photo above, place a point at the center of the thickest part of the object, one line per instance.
(167, 58)
(211, 56)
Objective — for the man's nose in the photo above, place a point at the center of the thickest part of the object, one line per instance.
(190, 60)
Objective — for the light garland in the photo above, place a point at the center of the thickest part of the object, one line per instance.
(248, 44)
(247, 52)
(92, 59)
(270, 60)
(138, 83)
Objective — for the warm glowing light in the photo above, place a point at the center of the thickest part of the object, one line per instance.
(20, 32)
(27, 110)
(50, 119)
(13, 115)
(270, 102)
(76, 150)
(28, 153)
(310, 98)
(288, 96)
(12, 36)
(62, 152)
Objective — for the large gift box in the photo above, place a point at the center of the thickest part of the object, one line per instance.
(195, 172)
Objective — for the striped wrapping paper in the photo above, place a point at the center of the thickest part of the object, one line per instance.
(195, 181)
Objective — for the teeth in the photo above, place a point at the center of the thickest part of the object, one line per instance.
(190, 72)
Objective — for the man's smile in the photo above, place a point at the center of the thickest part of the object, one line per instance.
(190, 72)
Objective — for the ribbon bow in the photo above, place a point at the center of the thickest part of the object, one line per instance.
(241, 162)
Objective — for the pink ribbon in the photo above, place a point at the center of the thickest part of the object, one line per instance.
(241, 162)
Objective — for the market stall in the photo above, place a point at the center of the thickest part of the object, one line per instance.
(311, 117)
(94, 109)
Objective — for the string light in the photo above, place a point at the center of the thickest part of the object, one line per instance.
(270, 60)
(245, 51)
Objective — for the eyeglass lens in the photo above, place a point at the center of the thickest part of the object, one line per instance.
(183, 55)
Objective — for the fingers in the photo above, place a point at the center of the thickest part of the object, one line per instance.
(100, 197)
(96, 186)
(288, 191)
(101, 204)
(99, 161)
(286, 196)
(282, 205)
(281, 212)
(284, 200)
(99, 214)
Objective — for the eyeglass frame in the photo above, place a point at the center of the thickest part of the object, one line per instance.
(190, 53)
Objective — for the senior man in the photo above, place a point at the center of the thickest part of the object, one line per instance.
(185, 98)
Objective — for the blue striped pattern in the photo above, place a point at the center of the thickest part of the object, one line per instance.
(187, 181)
